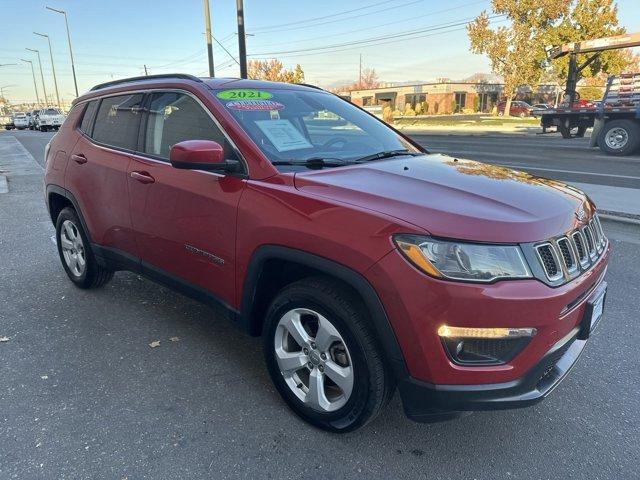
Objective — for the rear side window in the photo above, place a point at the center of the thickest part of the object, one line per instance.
(87, 118)
(175, 117)
(117, 121)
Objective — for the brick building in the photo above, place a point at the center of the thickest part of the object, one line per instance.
(447, 97)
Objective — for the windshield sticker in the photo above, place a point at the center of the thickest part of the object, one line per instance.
(243, 94)
(283, 135)
(263, 105)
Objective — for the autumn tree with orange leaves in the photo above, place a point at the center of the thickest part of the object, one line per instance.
(274, 71)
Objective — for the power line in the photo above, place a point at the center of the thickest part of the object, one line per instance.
(358, 47)
(342, 19)
(313, 19)
(370, 27)
(378, 38)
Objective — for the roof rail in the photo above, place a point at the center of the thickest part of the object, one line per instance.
(183, 76)
(310, 86)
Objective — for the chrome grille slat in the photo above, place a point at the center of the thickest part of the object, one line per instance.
(591, 245)
(567, 256)
(581, 249)
(550, 262)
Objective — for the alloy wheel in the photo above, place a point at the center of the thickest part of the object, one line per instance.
(314, 360)
(73, 250)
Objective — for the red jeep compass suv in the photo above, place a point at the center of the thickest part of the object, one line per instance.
(364, 262)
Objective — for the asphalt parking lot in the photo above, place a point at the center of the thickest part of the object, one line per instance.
(84, 396)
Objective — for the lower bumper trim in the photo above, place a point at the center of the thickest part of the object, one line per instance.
(425, 402)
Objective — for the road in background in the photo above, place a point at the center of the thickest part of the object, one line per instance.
(613, 183)
(83, 395)
(570, 160)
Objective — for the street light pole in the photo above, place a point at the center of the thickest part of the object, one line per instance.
(207, 32)
(44, 87)
(2, 90)
(73, 66)
(33, 72)
(242, 46)
(53, 68)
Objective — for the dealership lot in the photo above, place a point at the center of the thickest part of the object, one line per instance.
(83, 395)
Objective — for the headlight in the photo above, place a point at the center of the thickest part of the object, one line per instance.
(470, 262)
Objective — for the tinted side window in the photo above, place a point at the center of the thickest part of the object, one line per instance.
(87, 118)
(118, 120)
(175, 117)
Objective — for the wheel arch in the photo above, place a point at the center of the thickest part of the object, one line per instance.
(272, 267)
(59, 198)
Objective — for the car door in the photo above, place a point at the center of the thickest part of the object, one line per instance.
(97, 171)
(185, 220)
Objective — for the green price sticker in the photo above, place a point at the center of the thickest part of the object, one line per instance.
(244, 94)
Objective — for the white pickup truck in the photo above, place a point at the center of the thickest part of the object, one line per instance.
(48, 119)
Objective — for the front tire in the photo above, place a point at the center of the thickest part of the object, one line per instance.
(323, 357)
(619, 137)
(75, 252)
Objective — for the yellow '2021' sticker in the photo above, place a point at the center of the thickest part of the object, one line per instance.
(244, 94)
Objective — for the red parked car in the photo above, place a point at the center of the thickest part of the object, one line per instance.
(517, 109)
(365, 262)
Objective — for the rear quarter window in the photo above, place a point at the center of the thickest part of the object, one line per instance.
(117, 121)
(87, 117)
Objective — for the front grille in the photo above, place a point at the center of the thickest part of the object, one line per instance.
(551, 266)
(566, 256)
(578, 240)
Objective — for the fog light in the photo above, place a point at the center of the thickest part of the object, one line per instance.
(484, 346)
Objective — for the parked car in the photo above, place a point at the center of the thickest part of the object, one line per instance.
(7, 122)
(49, 119)
(363, 261)
(540, 106)
(20, 120)
(517, 109)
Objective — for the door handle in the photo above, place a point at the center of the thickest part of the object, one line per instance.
(79, 158)
(142, 177)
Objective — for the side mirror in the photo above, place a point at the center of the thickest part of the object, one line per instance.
(201, 155)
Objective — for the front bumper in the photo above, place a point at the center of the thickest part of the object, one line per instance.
(434, 388)
(425, 402)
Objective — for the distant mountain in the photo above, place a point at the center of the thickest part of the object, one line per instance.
(482, 78)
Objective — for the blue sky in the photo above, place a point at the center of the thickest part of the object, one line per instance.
(115, 38)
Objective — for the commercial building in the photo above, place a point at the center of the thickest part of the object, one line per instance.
(443, 97)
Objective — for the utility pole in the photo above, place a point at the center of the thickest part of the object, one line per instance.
(242, 46)
(53, 68)
(360, 74)
(2, 90)
(73, 67)
(207, 30)
(46, 104)
(145, 70)
(33, 72)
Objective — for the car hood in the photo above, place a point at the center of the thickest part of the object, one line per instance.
(454, 198)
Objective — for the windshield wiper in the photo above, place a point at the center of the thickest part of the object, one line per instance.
(387, 154)
(314, 162)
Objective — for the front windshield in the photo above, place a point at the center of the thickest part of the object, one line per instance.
(298, 125)
(52, 111)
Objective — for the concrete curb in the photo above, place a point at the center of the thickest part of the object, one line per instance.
(4, 186)
(618, 217)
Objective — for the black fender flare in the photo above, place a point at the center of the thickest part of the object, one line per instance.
(52, 188)
(361, 285)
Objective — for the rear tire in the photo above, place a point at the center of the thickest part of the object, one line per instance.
(619, 137)
(330, 335)
(75, 252)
